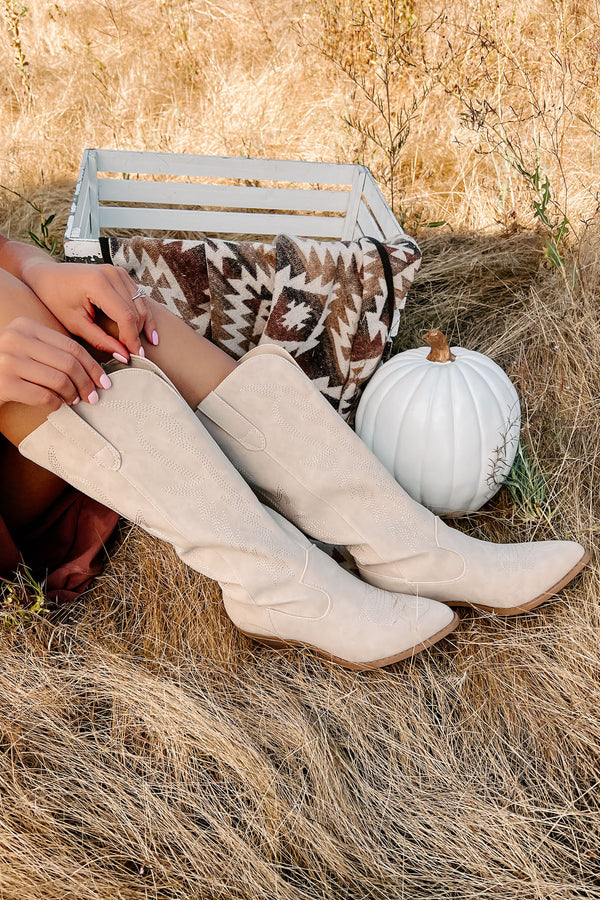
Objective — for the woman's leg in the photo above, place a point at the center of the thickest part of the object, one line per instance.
(194, 365)
(176, 483)
(144, 453)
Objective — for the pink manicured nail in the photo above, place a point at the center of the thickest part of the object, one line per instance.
(105, 382)
(120, 358)
(141, 352)
(75, 401)
(93, 397)
(155, 338)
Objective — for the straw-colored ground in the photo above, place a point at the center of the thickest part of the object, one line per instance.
(149, 751)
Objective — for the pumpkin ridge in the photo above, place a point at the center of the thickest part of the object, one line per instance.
(394, 375)
(374, 389)
(423, 372)
(455, 439)
(473, 365)
(502, 413)
(477, 410)
(376, 392)
(436, 373)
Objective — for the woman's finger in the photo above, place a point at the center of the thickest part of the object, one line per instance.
(19, 391)
(142, 305)
(65, 375)
(152, 326)
(126, 317)
(112, 297)
(144, 309)
(36, 340)
(97, 337)
(44, 376)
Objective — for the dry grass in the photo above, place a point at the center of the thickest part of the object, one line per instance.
(148, 750)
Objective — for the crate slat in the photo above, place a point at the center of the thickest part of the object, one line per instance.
(93, 195)
(355, 199)
(75, 220)
(85, 215)
(290, 171)
(368, 225)
(114, 190)
(83, 251)
(220, 222)
(381, 211)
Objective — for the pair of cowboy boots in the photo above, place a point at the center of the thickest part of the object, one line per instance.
(143, 452)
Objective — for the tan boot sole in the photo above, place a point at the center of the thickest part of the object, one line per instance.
(515, 610)
(279, 644)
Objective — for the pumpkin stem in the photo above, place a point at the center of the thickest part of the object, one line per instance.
(440, 351)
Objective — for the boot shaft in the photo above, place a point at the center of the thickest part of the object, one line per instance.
(142, 452)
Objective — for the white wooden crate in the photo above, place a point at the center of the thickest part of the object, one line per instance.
(222, 195)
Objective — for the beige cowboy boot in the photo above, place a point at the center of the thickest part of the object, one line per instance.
(291, 445)
(142, 452)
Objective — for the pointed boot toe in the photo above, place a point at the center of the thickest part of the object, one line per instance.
(410, 624)
(348, 621)
(508, 579)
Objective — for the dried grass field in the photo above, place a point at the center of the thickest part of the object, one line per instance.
(147, 750)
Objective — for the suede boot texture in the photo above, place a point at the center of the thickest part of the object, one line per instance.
(142, 452)
(292, 446)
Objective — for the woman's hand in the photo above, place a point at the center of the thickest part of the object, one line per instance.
(42, 367)
(72, 291)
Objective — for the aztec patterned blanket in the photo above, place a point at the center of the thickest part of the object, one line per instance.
(328, 304)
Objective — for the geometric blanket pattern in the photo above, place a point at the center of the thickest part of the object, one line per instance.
(326, 303)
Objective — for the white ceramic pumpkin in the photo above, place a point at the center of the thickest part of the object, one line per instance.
(445, 423)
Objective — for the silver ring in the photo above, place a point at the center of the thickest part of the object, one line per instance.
(140, 293)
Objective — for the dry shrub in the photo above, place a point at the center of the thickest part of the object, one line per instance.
(148, 750)
(474, 112)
